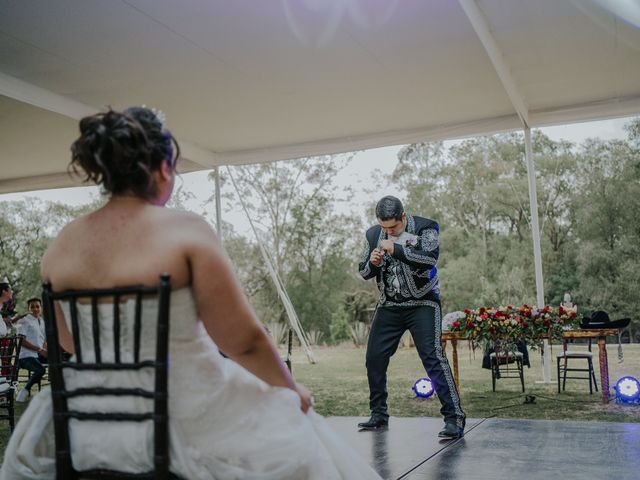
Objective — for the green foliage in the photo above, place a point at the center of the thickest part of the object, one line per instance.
(26, 228)
(339, 327)
(359, 333)
(312, 248)
(589, 215)
(339, 385)
(477, 189)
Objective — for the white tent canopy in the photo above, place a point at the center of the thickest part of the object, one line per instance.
(245, 81)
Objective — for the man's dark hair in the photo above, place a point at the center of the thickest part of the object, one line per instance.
(34, 299)
(389, 208)
(4, 287)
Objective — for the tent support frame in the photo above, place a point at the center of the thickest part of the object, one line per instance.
(481, 26)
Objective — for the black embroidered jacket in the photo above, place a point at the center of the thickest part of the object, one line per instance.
(409, 277)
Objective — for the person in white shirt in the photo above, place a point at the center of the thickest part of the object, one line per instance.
(31, 328)
(5, 324)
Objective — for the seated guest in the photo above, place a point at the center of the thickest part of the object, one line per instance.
(237, 417)
(6, 294)
(5, 324)
(33, 349)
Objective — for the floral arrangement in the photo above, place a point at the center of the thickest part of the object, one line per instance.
(508, 325)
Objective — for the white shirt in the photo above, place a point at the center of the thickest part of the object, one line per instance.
(32, 329)
(3, 328)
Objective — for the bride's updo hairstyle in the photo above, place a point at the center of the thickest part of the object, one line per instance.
(121, 150)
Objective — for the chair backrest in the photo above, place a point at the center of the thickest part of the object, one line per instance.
(115, 362)
(9, 354)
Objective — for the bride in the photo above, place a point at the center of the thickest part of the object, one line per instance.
(241, 417)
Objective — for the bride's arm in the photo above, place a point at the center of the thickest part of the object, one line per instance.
(227, 314)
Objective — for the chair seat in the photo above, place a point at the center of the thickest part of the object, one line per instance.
(574, 354)
(507, 354)
(500, 366)
(563, 367)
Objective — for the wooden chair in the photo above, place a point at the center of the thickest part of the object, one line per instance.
(562, 360)
(502, 365)
(9, 354)
(62, 413)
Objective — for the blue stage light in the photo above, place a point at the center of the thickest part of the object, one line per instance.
(627, 390)
(423, 388)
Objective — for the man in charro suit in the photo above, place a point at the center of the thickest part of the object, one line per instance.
(401, 253)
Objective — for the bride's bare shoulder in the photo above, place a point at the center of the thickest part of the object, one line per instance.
(186, 220)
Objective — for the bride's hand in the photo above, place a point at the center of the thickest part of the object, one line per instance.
(306, 399)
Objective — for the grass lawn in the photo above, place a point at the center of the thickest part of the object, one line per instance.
(339, 384)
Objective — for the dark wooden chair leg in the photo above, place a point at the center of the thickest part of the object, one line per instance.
(494, 366)
(521, 371)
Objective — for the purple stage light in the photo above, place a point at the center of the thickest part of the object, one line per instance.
(423, 388)
(627, 390)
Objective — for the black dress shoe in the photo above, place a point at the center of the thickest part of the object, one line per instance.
(451, 431)
(374, 423)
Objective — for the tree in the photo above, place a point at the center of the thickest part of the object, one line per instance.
(293, 203)
(26, 229)
(607, 206)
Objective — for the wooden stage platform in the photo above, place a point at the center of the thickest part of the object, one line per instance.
(498, 449)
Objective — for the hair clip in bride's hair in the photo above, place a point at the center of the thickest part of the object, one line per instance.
(160, 115)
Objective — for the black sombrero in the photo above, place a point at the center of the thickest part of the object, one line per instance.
(600, 319)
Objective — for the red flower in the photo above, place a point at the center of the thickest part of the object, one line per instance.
(467, 311)
(456, 324)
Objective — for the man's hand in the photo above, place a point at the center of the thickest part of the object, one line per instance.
(43, 352)
(376, 257)
(387, 246)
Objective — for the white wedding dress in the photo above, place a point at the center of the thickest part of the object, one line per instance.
(224, 423)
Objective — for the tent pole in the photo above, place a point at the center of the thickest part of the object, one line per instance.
(537, 253)
(294, 321)
(216, 173)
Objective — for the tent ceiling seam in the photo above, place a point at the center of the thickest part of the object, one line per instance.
(28, 93)
(480, 25)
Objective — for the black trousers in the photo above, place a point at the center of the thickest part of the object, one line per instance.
(425, 324)
(35, 367)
